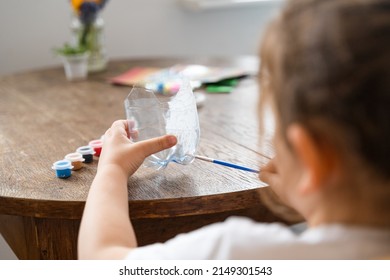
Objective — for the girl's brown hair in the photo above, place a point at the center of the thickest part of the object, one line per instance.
(326, 65)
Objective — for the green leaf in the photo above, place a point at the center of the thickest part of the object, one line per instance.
(70, 50)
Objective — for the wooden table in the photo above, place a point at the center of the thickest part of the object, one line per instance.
(43, 117)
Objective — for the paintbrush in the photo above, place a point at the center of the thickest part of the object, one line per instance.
(228, 164)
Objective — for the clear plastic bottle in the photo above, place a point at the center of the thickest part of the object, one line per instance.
(151, 116)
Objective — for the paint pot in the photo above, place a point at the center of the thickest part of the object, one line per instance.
(76, 159)
(97, 146)
(63, 168)
(87, 152)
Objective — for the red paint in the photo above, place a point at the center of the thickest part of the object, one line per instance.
(97, 146)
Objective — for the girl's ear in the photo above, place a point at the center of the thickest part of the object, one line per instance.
(315, 157)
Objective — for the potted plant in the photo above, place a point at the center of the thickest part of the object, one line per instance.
(75, 59)
(86, 53)
(87, 30)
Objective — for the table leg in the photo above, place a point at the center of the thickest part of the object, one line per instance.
(40, 238)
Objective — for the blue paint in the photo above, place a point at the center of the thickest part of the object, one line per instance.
(63, 168)
(65, 173)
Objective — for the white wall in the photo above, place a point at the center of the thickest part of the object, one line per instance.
(134, 28)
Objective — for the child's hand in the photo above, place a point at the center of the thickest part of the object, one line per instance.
(269, 174)
(272, 197)
(119, 152)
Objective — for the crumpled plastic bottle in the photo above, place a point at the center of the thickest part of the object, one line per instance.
(151, 116)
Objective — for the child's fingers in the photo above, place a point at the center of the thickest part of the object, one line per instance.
(270, 166)
(270, 178)
(154, 145)
(269, 174)
(118, 127)
(132, 133)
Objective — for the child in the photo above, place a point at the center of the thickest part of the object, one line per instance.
(325, 71)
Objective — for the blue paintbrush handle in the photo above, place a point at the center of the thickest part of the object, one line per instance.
(228, 164)
(232, 165)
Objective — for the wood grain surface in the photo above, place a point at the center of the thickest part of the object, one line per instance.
(43, 117)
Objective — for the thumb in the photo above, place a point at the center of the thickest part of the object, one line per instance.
(154, 145)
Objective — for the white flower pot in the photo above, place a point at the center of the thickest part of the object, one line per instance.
(76, 66)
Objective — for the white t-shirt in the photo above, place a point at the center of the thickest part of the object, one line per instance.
(242, 238)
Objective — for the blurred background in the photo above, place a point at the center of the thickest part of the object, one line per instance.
(29, 30)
